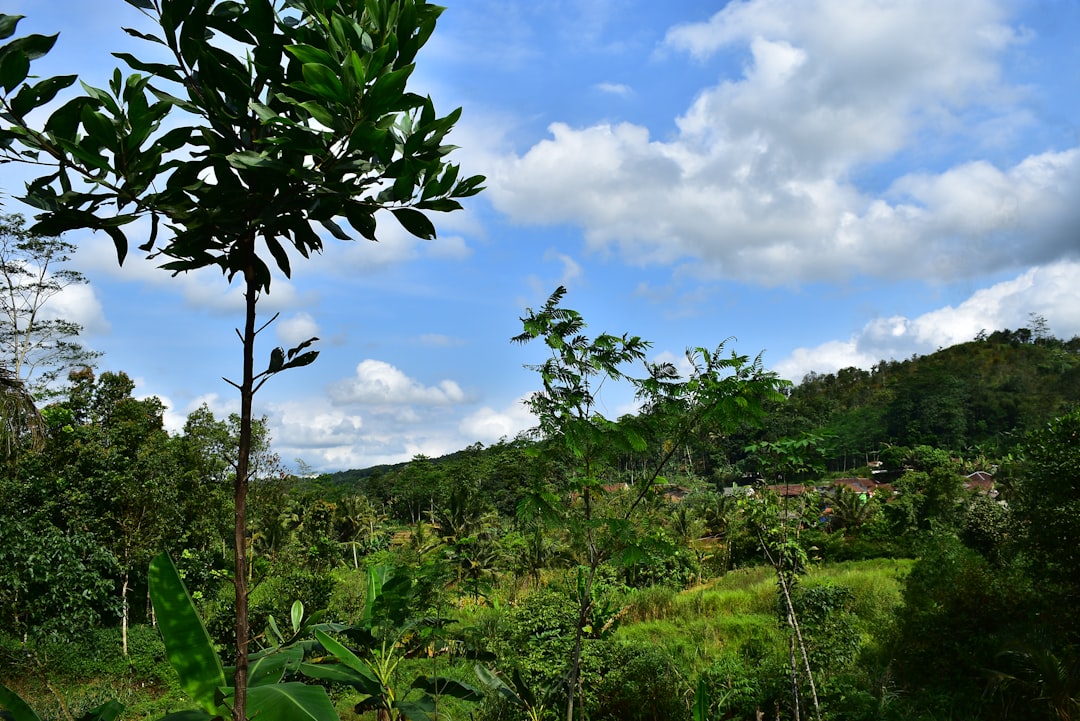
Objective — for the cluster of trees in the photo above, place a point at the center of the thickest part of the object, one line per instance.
(982, 396)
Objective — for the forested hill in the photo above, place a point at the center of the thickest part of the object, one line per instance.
(982, 396)
(975, 398)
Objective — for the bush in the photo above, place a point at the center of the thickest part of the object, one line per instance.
(631, 682)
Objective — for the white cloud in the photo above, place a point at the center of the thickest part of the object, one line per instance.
(330, 438)
(759, 182)
(1051, 291)
(79, 304)
(488, 425)
(615, 89)
(381, 384)
(296, 329)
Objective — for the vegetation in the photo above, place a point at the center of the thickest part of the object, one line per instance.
(898, 543)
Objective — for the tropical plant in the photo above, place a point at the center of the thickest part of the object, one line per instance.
(387, 634)
(298, 116)
(725, 392)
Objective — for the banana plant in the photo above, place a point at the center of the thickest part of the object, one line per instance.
(17, 709)
(535, 705)
(192, 655)
(386, 635)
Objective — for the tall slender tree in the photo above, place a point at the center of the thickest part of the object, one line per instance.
(294, 115)
(723, 391)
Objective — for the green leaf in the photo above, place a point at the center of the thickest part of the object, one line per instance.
(335, 229)
(293, 701)
(419, 710)
(13, 703)
(302, 360)
(277, 360)
(343, 654)
(362, 681)
(169, 72)
(415, 222)
(269, 667)
(324, 82)
(187, 644)
(442, 686)
(297, 610)
(310, 54)
(700, 711)
(7, 25)
(109, 711)
(14, 67)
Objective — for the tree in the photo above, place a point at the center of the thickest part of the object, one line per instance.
(1046, 510)
(723, 391)
(36, 348)
(19, 417)
(295, 115)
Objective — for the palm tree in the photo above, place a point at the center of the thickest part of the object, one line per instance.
(20, 421)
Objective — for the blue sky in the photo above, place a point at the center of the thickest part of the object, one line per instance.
(829, 182)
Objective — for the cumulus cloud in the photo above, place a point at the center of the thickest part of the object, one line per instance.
(489, 425)
(378, 383)
(1052, 292)
(328, 437)
(760, 181)
(296, 329)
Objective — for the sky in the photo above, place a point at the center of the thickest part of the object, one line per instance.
(828, 183)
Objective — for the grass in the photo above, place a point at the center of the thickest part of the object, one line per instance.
(736, 614)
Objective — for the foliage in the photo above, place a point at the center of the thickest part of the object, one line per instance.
(1046, 508)
(722, 392)
(53, 585)
(386, 635)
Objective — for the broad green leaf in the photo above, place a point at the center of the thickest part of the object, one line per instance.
(335, 229)
(297, 610)
(290, 702)
(14, 67)
(109, 711)
(324, 82)
(494, 682)
(7, 25)
(309, 54)
(364, 682)
(270, 667)
(187, 644)
(342, 653)
(700, 711)
(441, 686)
(415, 222)
(419, 710)
(14, 705)
(169, 72)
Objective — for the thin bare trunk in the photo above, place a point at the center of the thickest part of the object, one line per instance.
(125, 614)
(240, 518)
(574, 679)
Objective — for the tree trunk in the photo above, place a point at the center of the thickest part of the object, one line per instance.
(125, 614)
(251, 296)
(583, 612)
